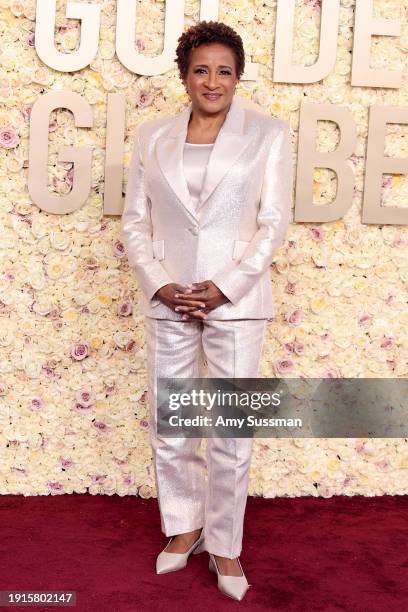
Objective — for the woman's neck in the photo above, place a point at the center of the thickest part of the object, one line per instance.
(203, 129)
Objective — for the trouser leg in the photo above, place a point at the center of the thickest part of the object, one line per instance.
(174, 350)
(233, 350)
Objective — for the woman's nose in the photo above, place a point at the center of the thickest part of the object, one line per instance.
(212, 79)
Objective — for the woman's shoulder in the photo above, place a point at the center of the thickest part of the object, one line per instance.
(264, 120)
(147, 128)
(259, 118)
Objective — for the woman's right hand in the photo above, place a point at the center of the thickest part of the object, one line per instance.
(166, 295)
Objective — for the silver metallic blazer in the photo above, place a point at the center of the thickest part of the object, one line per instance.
(240, 221)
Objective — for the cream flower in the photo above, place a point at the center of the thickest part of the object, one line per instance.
(42, 305)
(59, 240)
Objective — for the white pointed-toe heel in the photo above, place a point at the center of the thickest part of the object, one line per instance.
(233, 586)
(171, 562)
(200, 548)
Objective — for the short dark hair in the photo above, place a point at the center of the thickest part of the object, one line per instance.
(207, 32)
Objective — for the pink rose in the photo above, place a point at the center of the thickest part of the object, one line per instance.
(80, 350)
(85, 397)
(317, 234)
(80, 408)
(8, 138)
(56, 488)
(143, 98)
(283, 365)
(36, 403)
(109, 388)
(128, 479)
(26, 112)
(119, 249)
(295, 347)
(125, 309)
(100, 426)
(294, 318)
(298, 347)
(139, 44)
(144, 424)
(364, 320)
(49, 372)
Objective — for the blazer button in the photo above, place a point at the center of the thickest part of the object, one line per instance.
(194, 230)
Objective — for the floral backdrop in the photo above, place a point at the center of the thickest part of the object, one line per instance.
(74, 413)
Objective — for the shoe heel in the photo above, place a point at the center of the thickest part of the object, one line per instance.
(200, 548)
(211, 566)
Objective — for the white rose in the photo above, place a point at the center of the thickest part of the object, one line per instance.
(37, 280)
(59, 240)
(32, 366)
(55, 268)
(106, 49)
(42, 305)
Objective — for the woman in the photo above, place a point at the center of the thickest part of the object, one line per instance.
(207, 205)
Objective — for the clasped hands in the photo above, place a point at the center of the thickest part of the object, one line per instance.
(193, 301)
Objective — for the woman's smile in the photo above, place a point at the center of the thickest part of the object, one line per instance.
(212, 96)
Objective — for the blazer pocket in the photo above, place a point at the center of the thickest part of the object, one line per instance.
(239, 248)
(158, 249)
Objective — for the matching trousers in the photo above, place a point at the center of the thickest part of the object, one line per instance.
(187, 500)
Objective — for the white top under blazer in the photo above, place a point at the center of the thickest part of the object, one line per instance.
(195, 160)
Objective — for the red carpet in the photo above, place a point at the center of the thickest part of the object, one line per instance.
(342, 553)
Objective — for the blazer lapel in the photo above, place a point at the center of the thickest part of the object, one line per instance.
(169, 154)
(229, 144)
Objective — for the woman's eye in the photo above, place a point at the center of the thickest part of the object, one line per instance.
(227, 72)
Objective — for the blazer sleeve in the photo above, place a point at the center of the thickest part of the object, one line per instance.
(273, 220)
(136, 228)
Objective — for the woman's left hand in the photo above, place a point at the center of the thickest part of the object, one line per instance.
(207, 292)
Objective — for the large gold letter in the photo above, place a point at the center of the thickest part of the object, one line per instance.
(309, 159)
(365, 25)
(284, 70)
(377, 164)
(38, 153)
(44, 35)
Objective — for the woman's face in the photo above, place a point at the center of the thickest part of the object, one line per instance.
(211, 77)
